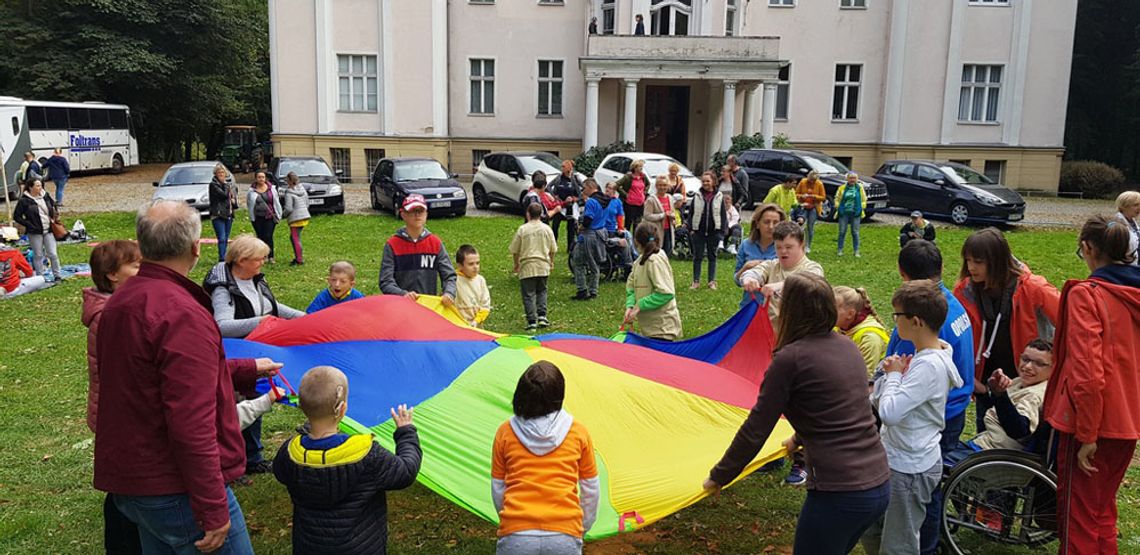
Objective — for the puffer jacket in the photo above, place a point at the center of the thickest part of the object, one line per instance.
(1036, 304)
(221, 276)
(93, 302)
(223, 199)
(27, 213)
(339, 504)
(1094, 391)
(295, 204)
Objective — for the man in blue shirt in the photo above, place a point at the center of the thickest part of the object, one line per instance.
(591, 242)
(921, 259)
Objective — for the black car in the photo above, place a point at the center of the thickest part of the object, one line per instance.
(767, 167)
(396, 178)
(325, 192)
(949, 189)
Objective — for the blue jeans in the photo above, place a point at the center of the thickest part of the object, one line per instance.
(252, 436)
(222, 228)
(167, 525)
(60, 183)
(853, 222)
(831, 522)
(931, 527)
(809, 224)
(704, 246)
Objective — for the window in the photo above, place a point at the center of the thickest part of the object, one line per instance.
(619, 164)
(482, 86)
(56, 118)
(78, 118)
(730, 19)
(36, 118)
(372, 157)
(852, 3)
(608, 17)
(845, 160)
(16, 126)
(356, 78)
(670, 17)
(118, 119)
(930, 175)
(845, 102)
(342, 162)
(978, 100)
(100, 119)
(995, 170)
(781, 3)
(477, 157)
(783, 89)
(903, 169)
(550, 87)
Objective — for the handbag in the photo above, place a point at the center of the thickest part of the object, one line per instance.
(58, 230)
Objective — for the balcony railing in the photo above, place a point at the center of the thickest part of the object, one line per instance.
(649, 47)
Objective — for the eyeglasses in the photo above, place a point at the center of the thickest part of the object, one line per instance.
(1037, 363)
(1080, 252)
(896, 315)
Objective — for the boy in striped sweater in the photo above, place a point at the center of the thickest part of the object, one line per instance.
(414, 257)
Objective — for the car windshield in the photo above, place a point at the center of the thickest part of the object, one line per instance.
(823, 163)
(965, 175)
(189, 175)
(542, 162)
(660, 166)
(420, 169)
(304, 168)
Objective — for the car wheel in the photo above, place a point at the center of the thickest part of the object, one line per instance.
(396, 202)
(117, 164)
(375, 201)
(827, 209)
(480, 194)
(959, 213)
(867, 214)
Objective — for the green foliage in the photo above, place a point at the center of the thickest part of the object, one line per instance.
(1091, 179)
(743, 142)
(185, 67)
(587, 162)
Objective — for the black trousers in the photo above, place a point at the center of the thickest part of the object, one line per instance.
(264, 228)
(571, 230)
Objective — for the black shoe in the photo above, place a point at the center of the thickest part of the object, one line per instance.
(580, 296)
(259, 467)
(293, 262)
(592, 296)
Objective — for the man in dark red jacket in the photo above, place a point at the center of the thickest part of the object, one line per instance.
(167, 440)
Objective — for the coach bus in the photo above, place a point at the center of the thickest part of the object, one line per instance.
(93, 135)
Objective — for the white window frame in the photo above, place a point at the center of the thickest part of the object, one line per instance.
(852, 4)
(970, 89)
(551, 2)
(731, 8)
(548, 81)
(847, 85)
(352, 77)
(611, 7)
(787, 86)
(990, 3)
(482, 79)
(781, 3)
(482, 2)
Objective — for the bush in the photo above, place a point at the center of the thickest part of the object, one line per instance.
(587, 162)
(1091, 179)
(741, 143)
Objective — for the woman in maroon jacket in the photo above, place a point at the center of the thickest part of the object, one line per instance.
(817, 378)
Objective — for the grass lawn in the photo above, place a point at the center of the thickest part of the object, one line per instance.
(47, 504)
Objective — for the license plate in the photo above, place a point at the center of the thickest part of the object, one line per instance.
(441, 204)
(316, 201)
(878, 205)
(1016, 217)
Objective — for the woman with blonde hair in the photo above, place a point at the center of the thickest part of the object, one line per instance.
(659, 212)
(633, 188)
(857, 319)
(1127, 210)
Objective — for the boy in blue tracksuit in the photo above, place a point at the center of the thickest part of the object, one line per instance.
(342, 287)
(920, 259)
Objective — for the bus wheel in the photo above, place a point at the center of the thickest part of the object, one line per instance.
(117, 164)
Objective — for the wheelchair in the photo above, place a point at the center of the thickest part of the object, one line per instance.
(999, 501)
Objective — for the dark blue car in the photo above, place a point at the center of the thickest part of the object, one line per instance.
(949, 190)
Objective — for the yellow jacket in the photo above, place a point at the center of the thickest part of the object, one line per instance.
(781, 196)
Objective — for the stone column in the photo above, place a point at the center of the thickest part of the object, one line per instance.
(629, 129)
(590, 138)
(750, 110)
(768, 117)
(728, 115)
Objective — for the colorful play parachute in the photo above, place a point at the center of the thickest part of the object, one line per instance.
(660, 414)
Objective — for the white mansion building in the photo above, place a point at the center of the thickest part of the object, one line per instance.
(984, 82)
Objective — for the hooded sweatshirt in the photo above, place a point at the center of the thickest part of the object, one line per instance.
(337, 485)
(93, 303)
(544, 480)
(415, 265)
(912, 405)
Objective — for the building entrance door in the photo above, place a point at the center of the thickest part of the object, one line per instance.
(667, 121)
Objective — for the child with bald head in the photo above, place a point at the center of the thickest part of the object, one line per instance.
(337, 481)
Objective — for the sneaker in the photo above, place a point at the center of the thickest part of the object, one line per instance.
(695, 285)
(593, 295)
(857, 255)
(797, 476)
(543, 322)
(840, 253)
(259, 467)
(731, 250)
(531, 328)
(241, 481)
(580, 296)
(712, 285)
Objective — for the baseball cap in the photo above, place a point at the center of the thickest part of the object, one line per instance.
(412, 202)
(916, 214)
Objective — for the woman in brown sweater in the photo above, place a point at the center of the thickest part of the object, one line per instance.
(817, 379)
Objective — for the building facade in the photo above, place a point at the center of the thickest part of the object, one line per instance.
(983, 82)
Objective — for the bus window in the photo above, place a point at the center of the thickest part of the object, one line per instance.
(118, 119)
(100, 119)
(15, 126)
(56, 118)
(36, 118)
(78, 118)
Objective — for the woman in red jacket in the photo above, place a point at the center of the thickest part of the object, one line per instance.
(1008, 306)
(1093, 396)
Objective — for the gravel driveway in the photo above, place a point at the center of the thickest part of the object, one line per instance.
(110, 193)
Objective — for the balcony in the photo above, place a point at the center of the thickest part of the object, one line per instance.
(681, 57)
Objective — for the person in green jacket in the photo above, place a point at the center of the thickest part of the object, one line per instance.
(784, 195)
(649, 291)
(850, 203)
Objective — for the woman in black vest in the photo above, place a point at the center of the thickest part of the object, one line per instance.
(241, 296)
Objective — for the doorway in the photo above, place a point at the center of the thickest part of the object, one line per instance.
(667, 121)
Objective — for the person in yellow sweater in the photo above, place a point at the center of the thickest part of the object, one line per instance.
(650, 297)
(472, 296)
(544, 480)
(533, 248)
(857, 320)
(783, 195)
(811, 194)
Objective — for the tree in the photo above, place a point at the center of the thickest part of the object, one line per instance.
(185, 67)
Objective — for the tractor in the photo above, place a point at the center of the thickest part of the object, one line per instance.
(241, 151)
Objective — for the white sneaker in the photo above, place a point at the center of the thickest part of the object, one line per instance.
(857, 255)
(731, 249)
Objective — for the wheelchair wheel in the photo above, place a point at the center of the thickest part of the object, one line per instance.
(999, 501)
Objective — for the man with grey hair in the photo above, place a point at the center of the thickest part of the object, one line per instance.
(167, 440)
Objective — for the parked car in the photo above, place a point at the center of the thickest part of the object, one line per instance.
(396, 178)
(949, 189)
(190, 182)
(325, 192)
(617, 165)
(504, 177)
(767, 167)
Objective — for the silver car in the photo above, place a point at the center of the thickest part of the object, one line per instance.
(189, 182)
